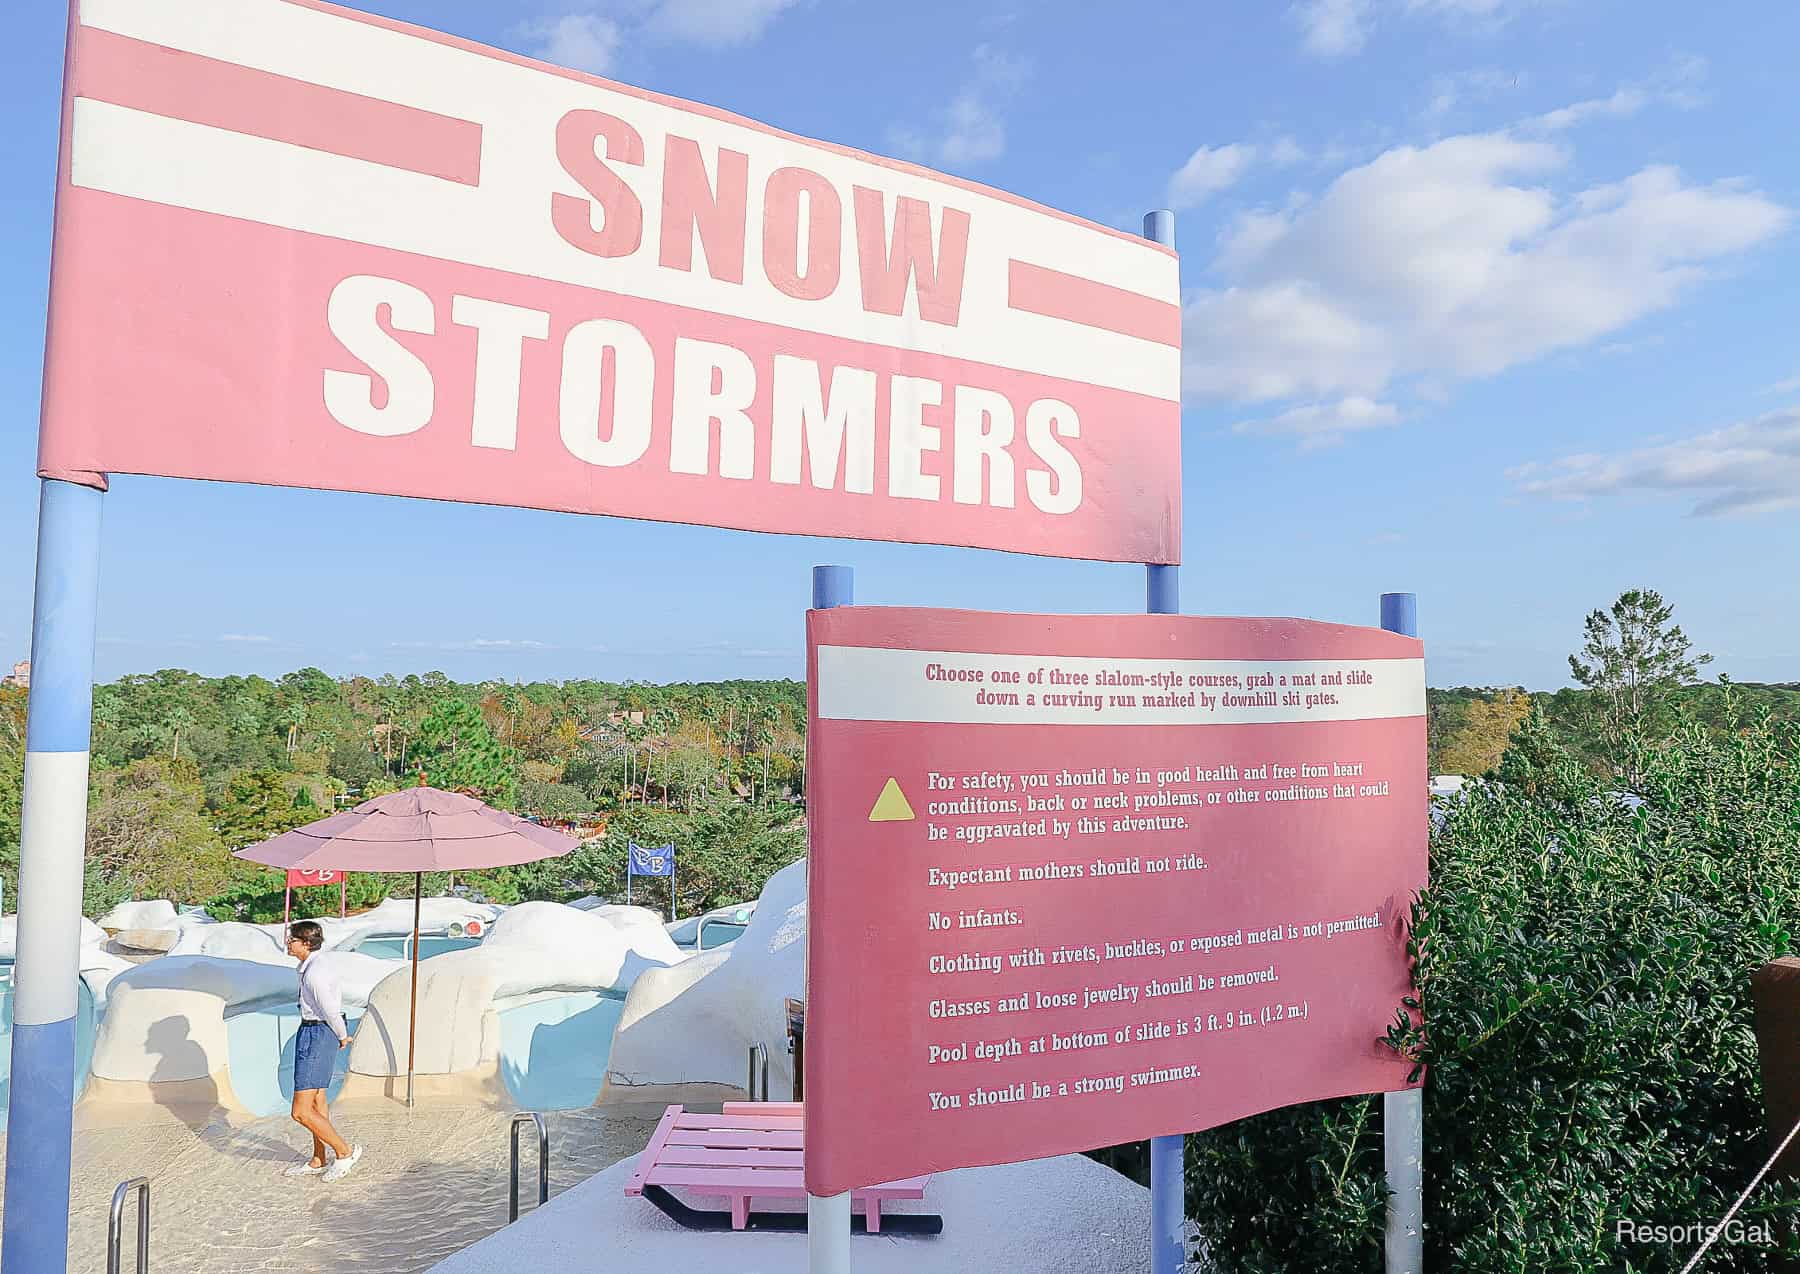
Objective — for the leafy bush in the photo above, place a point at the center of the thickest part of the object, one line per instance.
(553, 800)
(258, 900)
(1584, 967)
(724, 855)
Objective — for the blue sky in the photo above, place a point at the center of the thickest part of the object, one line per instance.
(1485, 299)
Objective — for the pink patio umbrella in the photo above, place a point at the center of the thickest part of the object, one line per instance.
(415, 830)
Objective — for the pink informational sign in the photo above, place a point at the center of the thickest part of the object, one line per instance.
(1082, 880)
(307, 879)
(305, 246)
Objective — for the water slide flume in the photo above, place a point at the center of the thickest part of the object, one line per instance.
(416, 830)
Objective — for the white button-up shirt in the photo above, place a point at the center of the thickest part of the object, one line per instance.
(321, 997)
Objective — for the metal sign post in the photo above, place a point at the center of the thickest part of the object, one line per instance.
(1403, 1113)
(828, 1218)
(1168, 1155)
(53, 836)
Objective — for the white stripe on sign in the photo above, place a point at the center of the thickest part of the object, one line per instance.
(506, 222)
(52, 838)
(862, 683)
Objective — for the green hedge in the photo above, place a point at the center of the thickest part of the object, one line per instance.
(1584, 964)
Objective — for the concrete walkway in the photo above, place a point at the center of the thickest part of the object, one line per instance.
(1054, 1216)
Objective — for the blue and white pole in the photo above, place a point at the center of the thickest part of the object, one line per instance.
(1403, 1113)
(828, 1216)
(45, 977)
(1168, 1155)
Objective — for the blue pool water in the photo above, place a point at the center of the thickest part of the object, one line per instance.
(84, 1036)
(553, 1051)
(399, 946)
(260, 1041)
(720, 933)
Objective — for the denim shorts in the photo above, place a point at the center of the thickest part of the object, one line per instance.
(315, 1056)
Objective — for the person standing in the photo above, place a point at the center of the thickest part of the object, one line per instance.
(322, 1035)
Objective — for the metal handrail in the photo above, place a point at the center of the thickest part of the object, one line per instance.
(758, 1050)
(543, 1133)
(115, 1225)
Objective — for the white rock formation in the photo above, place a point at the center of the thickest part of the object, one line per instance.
(624, 917)
(535, 948)
(154, 924)
(163, 1038)
(233, 941)
(98, 966)
(91, 935)
(695, 1023)
(164, 1041)
(357, 975)
(152, 913)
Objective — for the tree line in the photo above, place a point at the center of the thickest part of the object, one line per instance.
(1636, 682)
(188, 768)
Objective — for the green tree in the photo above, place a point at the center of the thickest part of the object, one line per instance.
(12, 783)
(1634, 657)
(259, 805)
(556, 801)
(355, 764)
(1477, 745)
(148, 834)
(457, 750)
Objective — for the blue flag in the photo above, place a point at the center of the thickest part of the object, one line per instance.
(650, 862)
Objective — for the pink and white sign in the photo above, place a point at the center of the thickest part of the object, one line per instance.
(1082, 880)
(298, 879)
(305, 246)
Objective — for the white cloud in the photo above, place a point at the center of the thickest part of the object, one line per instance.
(718, 23)
(1325, 424)
(584, 41)
(971, 130)
(1621, 104)
(1285, 152)
(1208, 170)
(589, 38)
(1485, 9)
(1456, 88)
(1339, 28)
(1787, 386)
(1450, 261)
(256, 639)
(1279, 341)
(1211, 169)
(1750, 467)
(1332, 28)
(1679, 86)
(478, 643)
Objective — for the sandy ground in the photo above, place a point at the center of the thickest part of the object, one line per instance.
(432, 1182)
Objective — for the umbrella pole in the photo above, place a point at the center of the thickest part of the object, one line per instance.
(412, 1016)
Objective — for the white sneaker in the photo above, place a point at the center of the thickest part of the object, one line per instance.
(342, 1168)
(305, 1168)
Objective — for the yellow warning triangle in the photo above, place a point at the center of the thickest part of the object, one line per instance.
(891, 806)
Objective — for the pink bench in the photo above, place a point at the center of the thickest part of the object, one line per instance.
(748, 1150)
